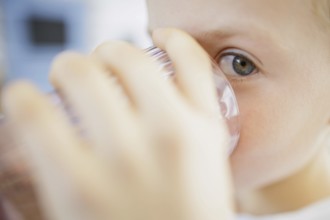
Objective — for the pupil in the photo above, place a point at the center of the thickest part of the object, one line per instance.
(242, 66)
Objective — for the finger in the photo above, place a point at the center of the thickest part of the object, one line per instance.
(54, 147)
(205, 173)
(105, 111)
(153, 96)
(95, 97)
(192, 67)
(158, 100)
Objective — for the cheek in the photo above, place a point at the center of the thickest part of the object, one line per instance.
(273, 123)
(261, 121)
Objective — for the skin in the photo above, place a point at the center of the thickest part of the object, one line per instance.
(281, 162)
(144, 160)
(147, 141)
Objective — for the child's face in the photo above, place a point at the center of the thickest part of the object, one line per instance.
(284, 101)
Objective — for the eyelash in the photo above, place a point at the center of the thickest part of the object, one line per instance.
(241, 60)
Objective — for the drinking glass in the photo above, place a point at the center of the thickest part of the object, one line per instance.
(17, 193)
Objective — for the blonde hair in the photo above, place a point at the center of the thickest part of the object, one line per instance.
(322, 10)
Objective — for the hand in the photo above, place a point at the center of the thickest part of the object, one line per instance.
(150, 149)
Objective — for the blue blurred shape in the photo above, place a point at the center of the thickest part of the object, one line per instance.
(36, 31)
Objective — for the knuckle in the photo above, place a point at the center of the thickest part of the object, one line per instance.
(123, 58)
(112, 49)
(64, 58)
(181, 44)
(70, 64)
(22, 100)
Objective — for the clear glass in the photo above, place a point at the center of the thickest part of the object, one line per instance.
(17, 195)
(226, 97)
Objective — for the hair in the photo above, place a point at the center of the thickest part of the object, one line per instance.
(322, 9)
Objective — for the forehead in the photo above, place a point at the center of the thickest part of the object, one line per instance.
(192, 15)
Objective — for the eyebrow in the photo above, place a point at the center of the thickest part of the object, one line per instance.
(211, 33)
(207, 35)
(227, 32)
(224, 31)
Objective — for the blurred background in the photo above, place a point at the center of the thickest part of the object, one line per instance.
(32, 32)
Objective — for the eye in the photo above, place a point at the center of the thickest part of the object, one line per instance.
(237, 65)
